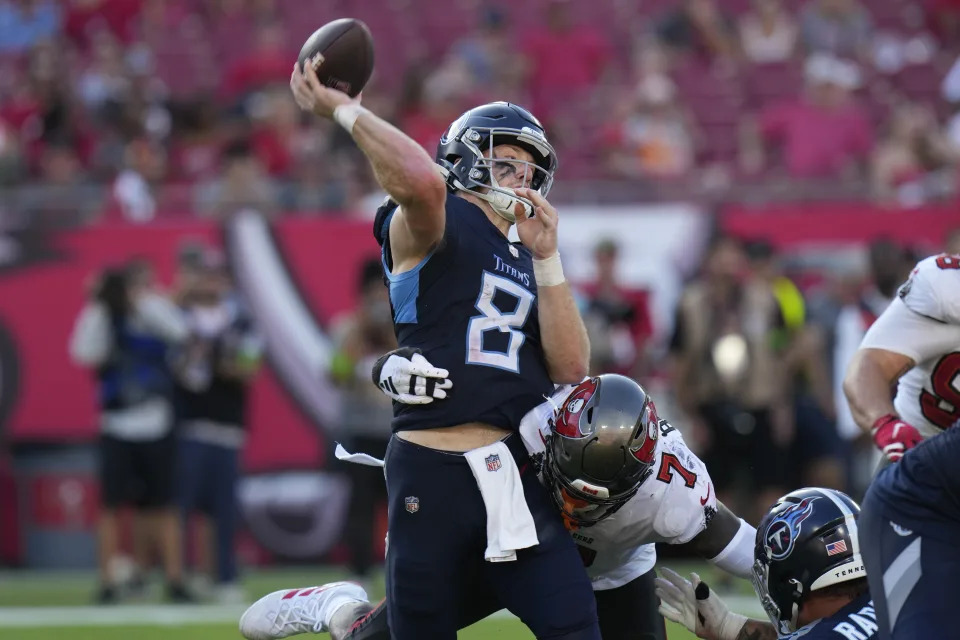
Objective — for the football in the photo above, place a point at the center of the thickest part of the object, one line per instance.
(341, 53)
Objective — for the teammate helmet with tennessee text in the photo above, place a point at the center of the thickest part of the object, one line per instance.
(806, 541)
(601, 448)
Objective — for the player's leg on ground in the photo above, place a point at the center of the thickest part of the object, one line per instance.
(630, 612)
(547, 586)
(912, 574)
(435, 544)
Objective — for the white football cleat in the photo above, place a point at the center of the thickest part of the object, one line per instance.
(286, 613)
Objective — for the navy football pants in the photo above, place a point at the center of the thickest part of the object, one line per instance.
(626, 613)
(436, 573)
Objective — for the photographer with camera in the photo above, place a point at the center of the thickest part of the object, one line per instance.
(124, 334)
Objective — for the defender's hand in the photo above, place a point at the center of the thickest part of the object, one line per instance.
(311, 95)
(539, 233)
(696, 607)
(895, 437)
(408, 378)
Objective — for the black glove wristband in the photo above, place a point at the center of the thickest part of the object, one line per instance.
(403, 352)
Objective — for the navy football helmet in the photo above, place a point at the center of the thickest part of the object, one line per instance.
(601, 448)
(806, 541)
(475, 133)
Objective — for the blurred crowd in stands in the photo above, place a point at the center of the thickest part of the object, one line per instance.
(133, 109)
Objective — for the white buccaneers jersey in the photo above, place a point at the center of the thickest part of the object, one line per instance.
(674, 504)
(923, 323)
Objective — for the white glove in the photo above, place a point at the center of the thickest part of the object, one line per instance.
(696, 607)
(408, 378)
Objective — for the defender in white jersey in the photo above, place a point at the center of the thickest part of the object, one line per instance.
(623, 479)
(916, 343)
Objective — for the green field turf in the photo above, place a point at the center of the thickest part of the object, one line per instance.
(501, 629)
(39, 606)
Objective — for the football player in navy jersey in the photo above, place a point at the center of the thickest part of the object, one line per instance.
(469, 524)
(909, 531)
(808, 573)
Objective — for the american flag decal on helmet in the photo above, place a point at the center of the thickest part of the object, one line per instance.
(833, 548)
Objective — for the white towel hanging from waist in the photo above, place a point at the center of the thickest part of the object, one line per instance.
(510, 525)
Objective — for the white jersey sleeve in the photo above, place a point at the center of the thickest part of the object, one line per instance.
(902, 330)
(933, 289)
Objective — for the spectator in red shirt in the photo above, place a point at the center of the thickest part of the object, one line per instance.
(277, 136)
(564, 60)
(195, 152)
(267, 63)
(825, 133)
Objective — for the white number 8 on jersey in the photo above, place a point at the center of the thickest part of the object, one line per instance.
(493, 318)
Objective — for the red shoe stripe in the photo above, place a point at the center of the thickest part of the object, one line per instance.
(290, 594)
(359, 623)
(307, 592)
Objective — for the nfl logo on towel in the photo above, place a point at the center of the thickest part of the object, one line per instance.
(493, 461)
(412, 504)
(836, 547)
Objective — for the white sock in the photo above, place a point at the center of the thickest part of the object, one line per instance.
(332, 607)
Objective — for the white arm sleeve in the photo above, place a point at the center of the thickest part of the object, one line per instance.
(90, 341)
(737, 557)
(900, 330)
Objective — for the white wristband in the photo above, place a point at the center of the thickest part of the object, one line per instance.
(346, 115)
(731, 625)
(549, 271)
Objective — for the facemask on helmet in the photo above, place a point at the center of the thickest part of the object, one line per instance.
(806, 541)
(466, 156)
(601, 448)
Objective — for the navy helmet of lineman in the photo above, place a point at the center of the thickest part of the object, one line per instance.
(806, 542)
(466, 155)
(601, 448)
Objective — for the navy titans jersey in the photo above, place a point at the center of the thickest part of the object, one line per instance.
(471, 306)
(856, 621)
(924, 486)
